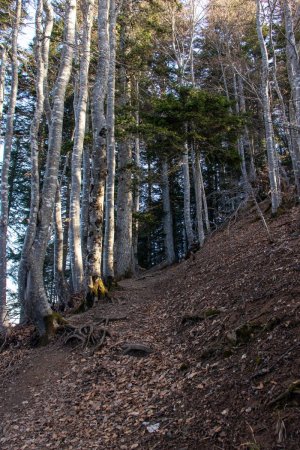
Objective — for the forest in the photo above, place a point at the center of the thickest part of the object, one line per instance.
(132, 134)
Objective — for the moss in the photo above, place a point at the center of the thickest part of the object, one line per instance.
(271, 324)
(211, 313)
(246, 332)
(258, 360)
(51, 322)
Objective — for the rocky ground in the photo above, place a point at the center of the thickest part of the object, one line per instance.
(216, 366)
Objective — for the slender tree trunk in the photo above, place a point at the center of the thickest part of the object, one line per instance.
(109, 237)
(205, 207)
(80, 122)
(124, 239)
(136, 191)
(8, 141)
(187, 197)
(287, 128)
(241, 107)
(293, 60)
(61, 286)
(271, 152)
(3, 60)
(66, 228)
(123, 246)
(198, 195)
(45, 55)
(99, 165)
(168, 219)
(31, 284)
(84, 220)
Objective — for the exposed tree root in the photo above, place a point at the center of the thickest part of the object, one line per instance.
(136, 349)
(86, 336)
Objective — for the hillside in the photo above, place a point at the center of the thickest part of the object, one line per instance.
(223, 330)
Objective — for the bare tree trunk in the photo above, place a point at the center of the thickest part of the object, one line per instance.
(45, 55)
(109, 237)
(287, 128)
(168, 219)
(187, 197)
(123, 243)
(3, 60)
(198, 195)
(80, 122)
(136, 190)
(271, 152)
(293, 60)
(31, 284)
(8, 141)
(205, 208)
(84, 221)
(61, 285)
(99, 165)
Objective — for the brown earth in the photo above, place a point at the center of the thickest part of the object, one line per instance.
(224, 332)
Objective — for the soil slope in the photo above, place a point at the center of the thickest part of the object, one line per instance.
(223, 372)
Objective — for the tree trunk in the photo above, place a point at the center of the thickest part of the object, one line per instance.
(61, 285)
(123, 244)
(31, 284)
(3, 60)
(45, 55)
(187, 198)
(84, 220)
(136, 190)
(109, 237)
(80, 122)
(168, 219)
(271, 152)
(8, 141)
(99, 166)
(293, 62)
(198, 195)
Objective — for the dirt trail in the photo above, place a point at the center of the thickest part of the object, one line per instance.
(61, 398)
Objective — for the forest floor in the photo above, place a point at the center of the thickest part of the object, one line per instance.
(224, 371)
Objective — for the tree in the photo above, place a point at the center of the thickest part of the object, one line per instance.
(87, 8)
(8, 142)
(273, 166)
(32, 293)
(99, 165)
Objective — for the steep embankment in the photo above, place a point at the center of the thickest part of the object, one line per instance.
(224, 330)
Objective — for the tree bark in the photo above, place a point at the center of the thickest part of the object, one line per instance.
(8, 142)
(187, 197)
(109, 236)
(99, 164)
(168, 219)
(84, 220)
(136, 188)
(269, 133)
(198, 195)
(31, 284)
(293, 62)
(80, 122)
(61, 286)
(3, 60)
(124, 239)
(123, 246)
